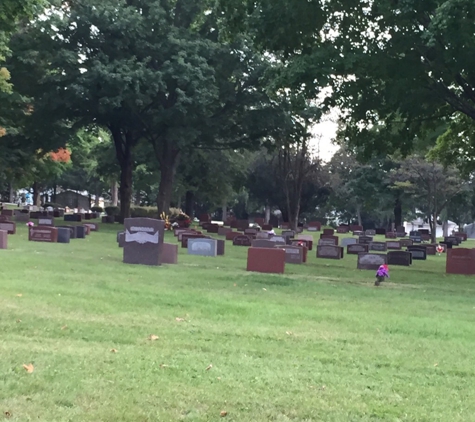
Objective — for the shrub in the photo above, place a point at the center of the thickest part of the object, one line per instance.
(97, 209)
(147, 212)
(112, 210)
(52, 204)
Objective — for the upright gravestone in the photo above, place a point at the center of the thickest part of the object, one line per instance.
(417, 253)
(343, 229)
(365, 240)
(405, 243)
(46, 221)
(267, 227)
(213, 228)
(399, 258)
(72, 229)
(8, 226)
(250, 232)
(143, 240)
(336, 239)
(415, 236)
(394, 245)
(356, 249)
(263, 243)
(232, 235)
(308, 238)
(262, 235)
(121, 239)
(220, 247)
(293, 254)
(381, 231)
(43, 234)
(203, 247)
(314, 226)
(264, 260)
(348, 241)
(327, 242)
(80, 232)
(8, 213)
(390, 235)
(242, 241)
(330, 252)
(329, 232)
(223, 230)
(278, 239)
(378, 246)
(94, 227)
(371, 261)
(3, 239)
(4, 218)
(21, 216)
(64, 234)
(460, 261)
(370, 232)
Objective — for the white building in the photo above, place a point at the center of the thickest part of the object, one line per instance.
(420, 224)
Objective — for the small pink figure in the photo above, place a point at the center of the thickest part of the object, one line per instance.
(381, 274)
(439, 249)
(30, 224)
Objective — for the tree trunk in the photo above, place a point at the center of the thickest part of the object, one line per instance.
(96, 199)
(167, 155)
(267, 215)
(36, 194)
(433, 227)
(398, 213)
(124, 143)
(225, 212)
(115, 193)
(138, 198)
(445, 228)
(358, 215)
(55, 192)
(189, 203)
(10, 193)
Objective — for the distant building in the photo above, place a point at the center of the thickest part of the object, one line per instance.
(421, 224)
(73, 200)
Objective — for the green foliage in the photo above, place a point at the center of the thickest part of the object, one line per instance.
(147, 212)
(112, 210)
(97, 209)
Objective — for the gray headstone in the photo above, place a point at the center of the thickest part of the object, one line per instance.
(143, 239)
(203, 247)
(80, 232)
(64, 235)
(263, 243)
(45, 221)
(348, 241)
(378, 246)
(371, 261)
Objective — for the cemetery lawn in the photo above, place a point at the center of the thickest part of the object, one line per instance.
(319, 343)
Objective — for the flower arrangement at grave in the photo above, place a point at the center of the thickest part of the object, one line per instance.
(381, 274)
(439, 249)
(179, 217)
(166, 219)
(30, 224)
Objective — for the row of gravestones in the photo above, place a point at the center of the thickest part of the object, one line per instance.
(143, 244)
(25, 215)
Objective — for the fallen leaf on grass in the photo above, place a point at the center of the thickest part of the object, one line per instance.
(235, 284)
(289, 333)
(29, 368)
(264, 289)
(113, 350)
(64, 327)
(7, 414)
(179, 319)
(19, 295)
(436, 364)
(18, 320)
(223, 413)
(163, 365)
(153, 337)
(209, 367)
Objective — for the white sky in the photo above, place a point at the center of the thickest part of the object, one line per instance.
(324, 133)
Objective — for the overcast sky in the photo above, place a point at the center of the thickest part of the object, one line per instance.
(324, 133)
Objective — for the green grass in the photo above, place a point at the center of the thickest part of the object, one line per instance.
(320, 343)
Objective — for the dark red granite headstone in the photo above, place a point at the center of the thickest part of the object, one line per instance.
(264, 260)
(460, 261)
(330, 252)
(43, 234)
(232, 235)
(3, 239)
(8, 226)
(169, 253)
(242, 240)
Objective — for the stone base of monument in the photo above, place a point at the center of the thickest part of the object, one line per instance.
(3, 239)
(64, 234)
(169, 253)
(263, 260)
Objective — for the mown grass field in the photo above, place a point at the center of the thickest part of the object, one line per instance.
(320, 343)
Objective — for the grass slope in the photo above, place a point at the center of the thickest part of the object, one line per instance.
(320, 343)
